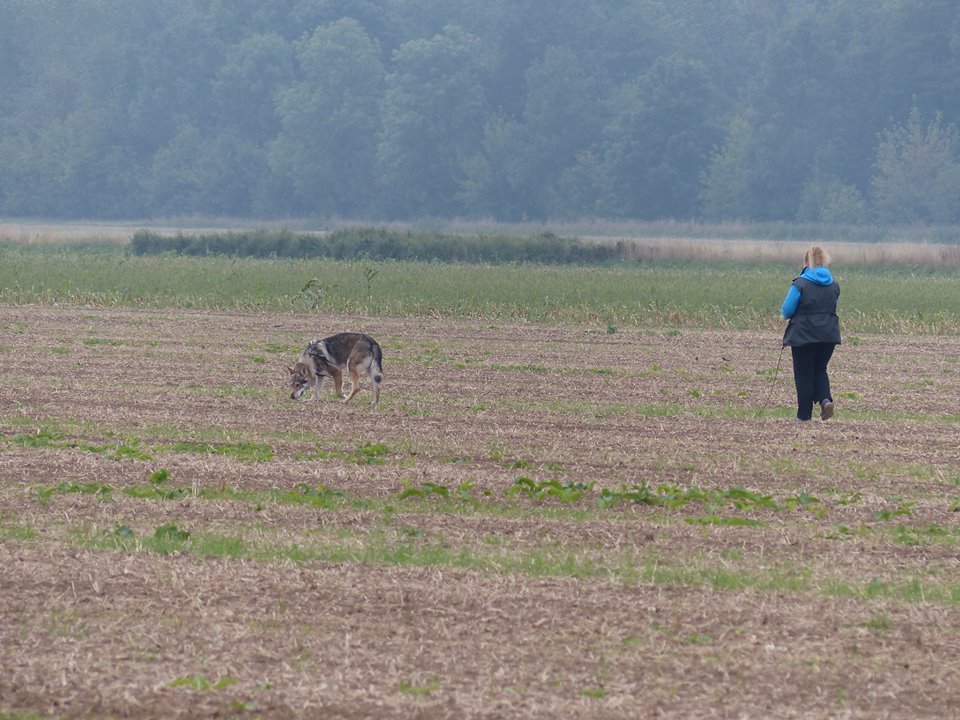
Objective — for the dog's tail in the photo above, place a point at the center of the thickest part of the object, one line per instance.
(378, 362)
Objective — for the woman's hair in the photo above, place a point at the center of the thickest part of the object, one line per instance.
(816, 256)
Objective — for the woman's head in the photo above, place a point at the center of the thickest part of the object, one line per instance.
(815, 256)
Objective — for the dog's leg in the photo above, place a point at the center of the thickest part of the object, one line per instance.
(337, 381)
(354, 383)
(316, 388)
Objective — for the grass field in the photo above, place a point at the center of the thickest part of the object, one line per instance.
(589, 505)
(703, 294)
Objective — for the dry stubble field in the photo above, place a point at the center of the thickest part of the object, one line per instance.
(538, 521)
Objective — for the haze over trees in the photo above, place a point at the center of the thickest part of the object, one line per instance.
(840, 111)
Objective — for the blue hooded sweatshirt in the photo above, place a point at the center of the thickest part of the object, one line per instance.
(818, 275)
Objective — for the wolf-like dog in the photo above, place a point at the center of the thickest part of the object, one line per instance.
(354, 353)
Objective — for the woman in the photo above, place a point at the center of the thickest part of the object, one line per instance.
(813, 332)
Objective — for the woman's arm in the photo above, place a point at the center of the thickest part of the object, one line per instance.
(790, 302)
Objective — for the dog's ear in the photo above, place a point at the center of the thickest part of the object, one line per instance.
(291, 370)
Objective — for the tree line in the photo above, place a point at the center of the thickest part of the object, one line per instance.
(380, 243)
(838, 111)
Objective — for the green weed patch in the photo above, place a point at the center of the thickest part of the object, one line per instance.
(154, 492)
(410, 689)
(101, 491)
(900, 589)
(318, 496)
(200, 683)
(246, 451)
(365, 454)
(49, 438)
(564, 492)
(674, 497)
(13, 531)
(94, 342)
(727, 521)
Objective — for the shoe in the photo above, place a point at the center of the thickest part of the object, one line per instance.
(826, 410)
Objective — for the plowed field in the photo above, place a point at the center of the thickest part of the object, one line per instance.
(537, 521)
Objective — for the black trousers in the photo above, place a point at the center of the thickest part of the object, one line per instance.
(810, 375)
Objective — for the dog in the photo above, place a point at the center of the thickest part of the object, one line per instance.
(354, 353)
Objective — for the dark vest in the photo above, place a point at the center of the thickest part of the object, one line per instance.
(815, 320)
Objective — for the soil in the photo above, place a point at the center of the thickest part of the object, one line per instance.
(800, 570)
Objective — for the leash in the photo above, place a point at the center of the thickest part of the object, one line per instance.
(773, 384)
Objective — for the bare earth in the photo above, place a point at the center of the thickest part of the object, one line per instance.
(831, 591)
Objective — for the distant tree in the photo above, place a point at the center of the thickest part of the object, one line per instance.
(490, 183)
(809, 105)
(829, 200)
(659, 141)
(176, 180)
(727, 36)
(431, 121)
(918, 172)
(329, 120)
(20, 58)
(382, 20)
(77, 166)
(235, 20)
(725, 181)
(584, 190)
(176, 65)
(214, 172)
(563, 116)
(510, 109)
(24, 178)
(246, 86)
(914, 55)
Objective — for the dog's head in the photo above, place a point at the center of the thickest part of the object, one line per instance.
(300, 380)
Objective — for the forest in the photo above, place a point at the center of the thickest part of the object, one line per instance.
(836, 111)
